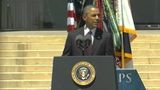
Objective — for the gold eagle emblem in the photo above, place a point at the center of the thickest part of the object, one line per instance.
(83, 73)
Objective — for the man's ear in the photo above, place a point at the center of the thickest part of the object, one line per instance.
(84, 18)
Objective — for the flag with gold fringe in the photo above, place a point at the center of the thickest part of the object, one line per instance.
(126, 25)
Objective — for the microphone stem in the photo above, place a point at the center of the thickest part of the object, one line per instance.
(83, 52)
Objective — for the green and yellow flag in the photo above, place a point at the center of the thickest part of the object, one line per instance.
(123, 30)
(126, 25)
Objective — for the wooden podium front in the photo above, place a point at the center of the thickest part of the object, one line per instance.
(104, 72)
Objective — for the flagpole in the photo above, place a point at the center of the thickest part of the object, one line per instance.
(122, 37)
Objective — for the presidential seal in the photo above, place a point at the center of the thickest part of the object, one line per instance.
(83, 73)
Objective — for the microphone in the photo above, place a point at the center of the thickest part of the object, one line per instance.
(79, 42)
(83, 42)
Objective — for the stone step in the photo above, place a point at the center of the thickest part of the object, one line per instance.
(26, 76)
(147, 38)
(146, 60)
(25, 84)
(145, 52)
(149, 74)
(30, 53)
(26, 60)
(61, 38)
(152, 88)
(25, 88)
(46, 53)
(57, 45)
(151, 82)
(147, 67)
(34, 39)
(47, 75)
(145, 45)
(136, 52)
(48, 60)
(47, 83)
(31, 46)
(25, 68)
(60, 46)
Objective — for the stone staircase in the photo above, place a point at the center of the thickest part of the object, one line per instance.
(146, 55)
(26, 58)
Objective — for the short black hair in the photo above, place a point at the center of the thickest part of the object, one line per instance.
(87, 8)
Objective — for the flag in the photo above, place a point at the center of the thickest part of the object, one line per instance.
(100, 7)
(112, 24)
(71, 16)
(126, 25)
(125, 19)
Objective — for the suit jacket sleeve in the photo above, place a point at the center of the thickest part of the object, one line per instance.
(109, 45)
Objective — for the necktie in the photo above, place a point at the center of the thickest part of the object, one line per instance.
(90, 35)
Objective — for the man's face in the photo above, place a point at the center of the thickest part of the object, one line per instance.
(92, 17)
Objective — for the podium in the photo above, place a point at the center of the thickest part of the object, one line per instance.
(98, 73)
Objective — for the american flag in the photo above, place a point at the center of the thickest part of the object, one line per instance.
(71, 16)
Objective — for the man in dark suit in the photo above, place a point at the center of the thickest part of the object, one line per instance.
(101, 41)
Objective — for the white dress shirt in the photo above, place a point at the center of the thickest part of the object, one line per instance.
(86, 30)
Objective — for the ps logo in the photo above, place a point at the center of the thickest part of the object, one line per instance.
(125, 77)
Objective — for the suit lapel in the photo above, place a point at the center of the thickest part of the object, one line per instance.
(97, 39)
(81, 31)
